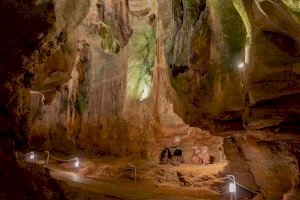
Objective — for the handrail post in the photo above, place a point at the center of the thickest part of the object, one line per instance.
(76, 164)
(233, 193)
(47, 161)
(132, 166)
(134, 175)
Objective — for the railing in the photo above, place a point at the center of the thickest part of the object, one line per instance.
(132, 166)
(232, 187)
(76, 159)
(77, 163)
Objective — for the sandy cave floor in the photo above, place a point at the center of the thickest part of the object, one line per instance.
(112, 178)
(84, 188)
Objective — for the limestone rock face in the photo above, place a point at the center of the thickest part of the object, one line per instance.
(261, 97)
(117, 99)
(32, 33)
(221, 91)
(265, 162)
(201, 57)
(95, 64)
(103, 76)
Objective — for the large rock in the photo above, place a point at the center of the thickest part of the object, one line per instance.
(265, 162)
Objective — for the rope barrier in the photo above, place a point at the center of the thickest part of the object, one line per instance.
(241, 185)
(131, 166)
(246, 188)
(63, 160)
(124, 170)
(76, 164)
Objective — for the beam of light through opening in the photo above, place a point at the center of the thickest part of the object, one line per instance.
(145, 93)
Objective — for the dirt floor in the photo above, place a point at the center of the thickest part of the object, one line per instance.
(113, 178)
(77, 187)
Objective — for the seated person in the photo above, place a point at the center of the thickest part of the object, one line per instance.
(196, 157)
(205, 155)
(165, 156)
(177, 156)
(200, 156)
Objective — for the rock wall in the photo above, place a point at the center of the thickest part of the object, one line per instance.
(266, 162)
(32, 33)
(256, 107)
(99, 86)
(96, 88)
(117, 99)
(201, 54)
(65, 81)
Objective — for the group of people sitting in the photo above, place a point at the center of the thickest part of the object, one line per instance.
(167, 157)
(200, 156)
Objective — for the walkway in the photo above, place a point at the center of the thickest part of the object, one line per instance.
(78, 187)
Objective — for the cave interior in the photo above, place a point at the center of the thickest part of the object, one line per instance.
(149, 99)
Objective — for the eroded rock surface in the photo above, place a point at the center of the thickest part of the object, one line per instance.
(32, 33)
(261, 98)
(101, 75)
(118, 100)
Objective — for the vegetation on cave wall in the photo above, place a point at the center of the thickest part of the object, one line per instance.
(293, 7)
(141, 61)
(81, 102)
(108, 41)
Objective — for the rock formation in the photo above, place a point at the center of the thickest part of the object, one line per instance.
(256, 105)
(129, 77)
(33, 31)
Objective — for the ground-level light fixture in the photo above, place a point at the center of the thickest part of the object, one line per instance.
(31, 155)
(76, 163)
(232, 187)
(242, 65)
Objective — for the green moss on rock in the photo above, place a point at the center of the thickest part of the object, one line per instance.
(81, 102)
(108, 41)
(142, 52)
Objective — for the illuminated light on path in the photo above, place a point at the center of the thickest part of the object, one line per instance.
(31, 155)
(76, 163)
(241, 65)
(232, 188)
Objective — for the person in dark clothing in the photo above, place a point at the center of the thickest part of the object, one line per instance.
(165, 156)
(178, 153)
(177, 156)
